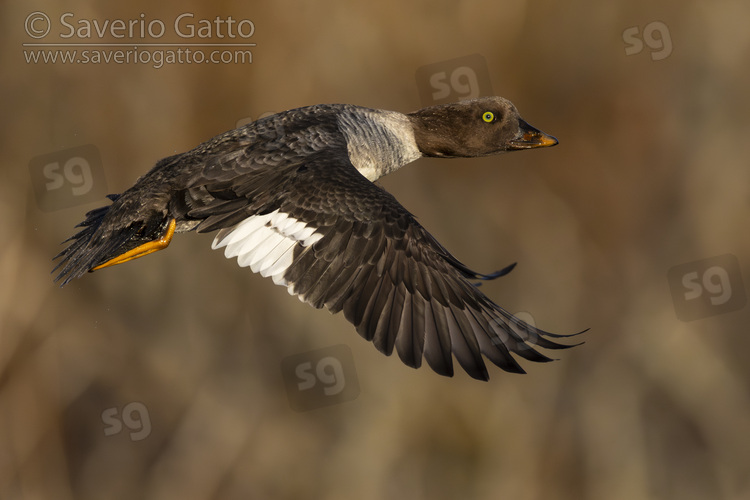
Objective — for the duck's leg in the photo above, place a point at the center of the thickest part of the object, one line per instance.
(144, 249)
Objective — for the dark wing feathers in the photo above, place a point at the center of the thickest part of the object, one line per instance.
(399, 287)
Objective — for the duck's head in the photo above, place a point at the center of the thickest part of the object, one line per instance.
(475, 127)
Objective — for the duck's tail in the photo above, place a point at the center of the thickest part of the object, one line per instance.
(112, 235)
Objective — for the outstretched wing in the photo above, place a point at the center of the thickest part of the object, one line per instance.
(336, 240)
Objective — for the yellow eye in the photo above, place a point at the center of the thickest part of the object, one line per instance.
(488, 116)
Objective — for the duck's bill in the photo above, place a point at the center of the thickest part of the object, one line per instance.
(529, 137)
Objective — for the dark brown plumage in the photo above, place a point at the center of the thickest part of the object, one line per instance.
(292, 196)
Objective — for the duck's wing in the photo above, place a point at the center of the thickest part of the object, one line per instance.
(143, 219)
(336, 240)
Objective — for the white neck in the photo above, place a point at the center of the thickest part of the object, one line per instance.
(378, 142)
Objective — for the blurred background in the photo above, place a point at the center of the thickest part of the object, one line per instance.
(163, 378)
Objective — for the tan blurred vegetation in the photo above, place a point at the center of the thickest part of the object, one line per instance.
(652, 171)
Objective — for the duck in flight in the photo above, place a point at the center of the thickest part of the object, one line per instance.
(293, 198)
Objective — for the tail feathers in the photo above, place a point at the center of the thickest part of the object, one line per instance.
(107, 233)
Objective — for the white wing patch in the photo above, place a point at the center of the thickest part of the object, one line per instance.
(266, 243)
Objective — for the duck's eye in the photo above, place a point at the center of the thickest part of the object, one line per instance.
(488, 116)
